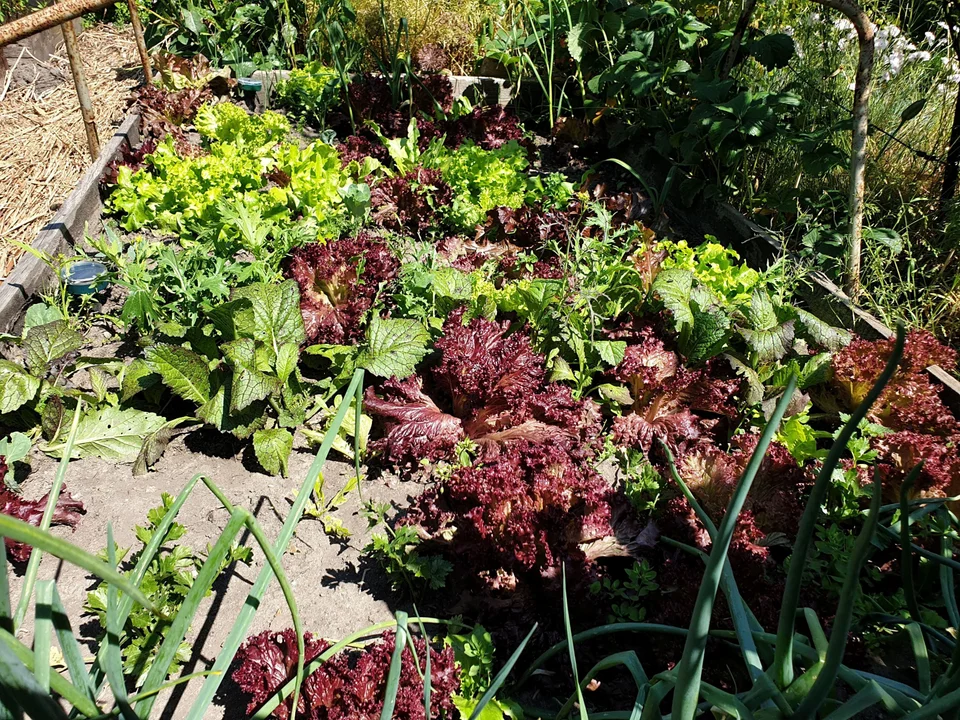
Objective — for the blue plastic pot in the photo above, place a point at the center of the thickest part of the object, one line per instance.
(84, 277)
(249, 85)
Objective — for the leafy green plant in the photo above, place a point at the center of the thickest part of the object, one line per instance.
(485, 179)
(309, 93)
(37, 394)
(322, 508)
(567, 319)
(396, 552)
(715, 266)
(764, 332)
(625, 597)
(429, 292)
(240, 369)
(167, 582)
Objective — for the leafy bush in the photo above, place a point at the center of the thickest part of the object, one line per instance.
(716, 267)
(179, 194)
(226, 122)
(485, 179)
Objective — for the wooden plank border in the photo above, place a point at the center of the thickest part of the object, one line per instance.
(64, 230)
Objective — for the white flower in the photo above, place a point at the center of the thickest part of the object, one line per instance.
(895, 61)
(930, 38)
(852, 86)
(921, 55)
(955, 78)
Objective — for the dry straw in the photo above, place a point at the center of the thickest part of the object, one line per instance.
(43, 150)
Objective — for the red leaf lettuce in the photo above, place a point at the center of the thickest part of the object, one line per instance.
(334, 297)
(489, 386)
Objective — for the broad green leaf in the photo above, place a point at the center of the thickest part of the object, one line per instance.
(673, 286)
(761, 313)
(755, 390)
(139, 308)
(887, 237)
(707, 336)
(617, 393)
(15, 448)
(273, 315)
(216, 412)
(574, 45)
(52, 416)
(451, 283)
(768, 335)
(611, 351)
(249, 386)
(112, 434)
(815, 370)
(272, 448)
(770, 345)
(822, 333)
(46, 343)
(17, 387)
(182, 370)
(394, 347)
(287, 358)
(250, 381)
(137, 376)
(40, 314)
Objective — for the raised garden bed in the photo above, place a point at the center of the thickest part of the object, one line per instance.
(533, 355)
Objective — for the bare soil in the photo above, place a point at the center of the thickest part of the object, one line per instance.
(336, 591)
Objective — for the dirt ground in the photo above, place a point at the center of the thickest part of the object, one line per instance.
(336, 592)
(43, 147)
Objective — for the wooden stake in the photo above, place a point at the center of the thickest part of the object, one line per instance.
(83, 92)
(141, 43)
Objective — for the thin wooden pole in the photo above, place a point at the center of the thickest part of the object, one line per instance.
(141, 43)
(861, 125)
(83, 92)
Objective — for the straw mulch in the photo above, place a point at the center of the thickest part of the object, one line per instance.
(43, 147)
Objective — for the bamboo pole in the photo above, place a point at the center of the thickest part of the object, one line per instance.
(141, 43)
(83, 92)
(48, 17)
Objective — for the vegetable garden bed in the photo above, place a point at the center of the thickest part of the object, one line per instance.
(555, 388)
